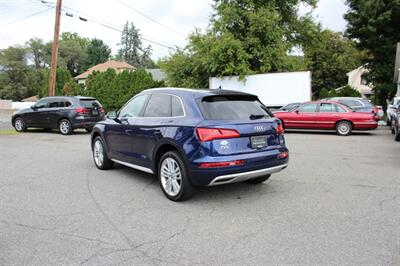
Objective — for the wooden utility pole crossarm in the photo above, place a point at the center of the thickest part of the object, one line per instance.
(54, 50)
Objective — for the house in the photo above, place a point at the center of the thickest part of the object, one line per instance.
(119, 66)
(397, 70)
(357, 80)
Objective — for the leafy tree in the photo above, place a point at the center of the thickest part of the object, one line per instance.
(330, 56)
(375, 26)
(37, 52)
(324, 93)
(63, 76)
(72, 52)
(346, 91)
(15, 75)
(114, 90)
(244, 37)
(97, 52)
(131, 48)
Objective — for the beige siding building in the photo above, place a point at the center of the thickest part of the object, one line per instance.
(357, 81)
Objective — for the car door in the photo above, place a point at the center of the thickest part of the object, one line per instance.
(303, 117)
(54, 112)
(35, 118)
(150, 127)
(118, 133)
(327, 116)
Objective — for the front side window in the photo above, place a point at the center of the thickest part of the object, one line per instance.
(42, 103)
(327, 108)
(133, 108)
(308, 108)
(159, 106)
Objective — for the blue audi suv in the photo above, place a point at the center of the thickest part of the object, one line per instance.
(192, 138)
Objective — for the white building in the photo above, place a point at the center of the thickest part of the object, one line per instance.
(357, 80)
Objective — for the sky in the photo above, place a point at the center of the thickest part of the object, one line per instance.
(21, 20)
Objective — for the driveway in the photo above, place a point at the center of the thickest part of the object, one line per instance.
(337, 203)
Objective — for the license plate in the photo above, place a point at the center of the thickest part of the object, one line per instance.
(95, 112)
(258, 142)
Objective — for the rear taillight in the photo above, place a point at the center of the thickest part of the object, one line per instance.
(221, 164)
(208, 134)
(283, 155)
(279, 129)
(81, 110)
(101, 109)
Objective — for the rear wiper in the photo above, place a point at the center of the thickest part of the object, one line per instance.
(253, 117)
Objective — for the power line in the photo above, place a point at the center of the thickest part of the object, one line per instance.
(29, 16)
(102, 23)
(150, 18)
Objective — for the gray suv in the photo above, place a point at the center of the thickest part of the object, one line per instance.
(60, 112)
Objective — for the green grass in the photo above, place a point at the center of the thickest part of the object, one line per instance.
(8, 132)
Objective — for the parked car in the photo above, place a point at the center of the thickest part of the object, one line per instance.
(360, 105)
(192, 138)
(60, 112)
(390, 111)
(327, 115)
(287, 107)
(396, 121)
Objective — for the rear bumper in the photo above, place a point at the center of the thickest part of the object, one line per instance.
(255, 165)
(239, 177)
(85, 122)
(365, 125)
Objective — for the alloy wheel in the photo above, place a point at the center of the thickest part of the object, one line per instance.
(171, 179)
(64, 127)
(19, 124)
(98, 153)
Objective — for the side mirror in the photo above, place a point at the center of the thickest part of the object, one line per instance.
(112, 115)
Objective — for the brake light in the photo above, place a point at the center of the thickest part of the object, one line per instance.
(279, 129)
(81, 110)
(101, 109)
(283, 155)
(221, 164)
(208, 134)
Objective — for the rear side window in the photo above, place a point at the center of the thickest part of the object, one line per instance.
(89, 103)
(59, 103)
(176, 106)
(159, 106)
(327, 108)
(308, 108)
(232, 107)
(340, 109)
(351, 103)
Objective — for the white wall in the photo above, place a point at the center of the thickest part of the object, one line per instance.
(21, 105)
(273, 89)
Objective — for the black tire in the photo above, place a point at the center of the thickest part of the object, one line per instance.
(185, 188)
(392, 127)
(396, 133)
(344, 128)
(65, 127)
(105, 163)
(19, 124)
(258, 180)
(388, 122)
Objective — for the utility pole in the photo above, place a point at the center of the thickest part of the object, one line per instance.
(54, 50)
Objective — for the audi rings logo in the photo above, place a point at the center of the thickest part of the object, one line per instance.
(260, 128)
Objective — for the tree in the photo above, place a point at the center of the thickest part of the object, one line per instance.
(346, 91)
(324, 93)
(330, 56)
(97, 52)
(374, 24)
(244, 37)
(72, 52)
(16, 78)
(131, 49)
(63, 76)
(37, 52)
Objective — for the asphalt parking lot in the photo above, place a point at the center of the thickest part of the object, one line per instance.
(337, 203)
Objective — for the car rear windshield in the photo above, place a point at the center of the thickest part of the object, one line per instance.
(89, 103)
(231, 107)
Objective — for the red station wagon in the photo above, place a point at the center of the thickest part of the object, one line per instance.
(327, 115)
